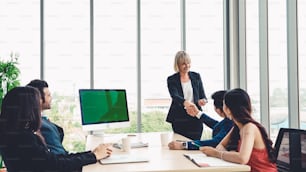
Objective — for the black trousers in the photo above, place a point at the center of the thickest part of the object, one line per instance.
(192, 130)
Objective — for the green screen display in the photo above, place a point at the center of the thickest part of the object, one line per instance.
(103, 106)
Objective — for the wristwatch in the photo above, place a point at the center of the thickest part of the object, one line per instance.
(185, 145)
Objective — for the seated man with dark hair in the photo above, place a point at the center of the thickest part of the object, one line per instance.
(220, 129)
(53, 134)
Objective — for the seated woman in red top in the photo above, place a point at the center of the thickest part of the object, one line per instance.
(248, 142)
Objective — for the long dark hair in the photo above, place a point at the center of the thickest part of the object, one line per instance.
(239, 103)
(20, 110)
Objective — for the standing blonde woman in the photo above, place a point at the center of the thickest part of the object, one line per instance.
(185, 88)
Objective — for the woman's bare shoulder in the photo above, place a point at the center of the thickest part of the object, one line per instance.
(249, 128)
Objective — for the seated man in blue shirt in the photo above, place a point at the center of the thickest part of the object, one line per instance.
(52, 133)
(219, 129)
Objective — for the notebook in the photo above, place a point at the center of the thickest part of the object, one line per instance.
(201, 160)
(124, 158)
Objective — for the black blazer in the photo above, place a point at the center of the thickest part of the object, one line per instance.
(24, 151)
(177, 111)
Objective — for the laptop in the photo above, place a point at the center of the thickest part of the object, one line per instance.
(282, 151)
(290, 147)
(124, 158)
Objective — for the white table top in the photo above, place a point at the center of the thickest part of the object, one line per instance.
(161, 159)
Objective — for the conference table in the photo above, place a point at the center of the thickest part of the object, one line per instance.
(161, 158)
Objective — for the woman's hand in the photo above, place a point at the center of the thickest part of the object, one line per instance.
(210, 151)
(102, 151)
(202, 102)
(187, 104)
(175, 145)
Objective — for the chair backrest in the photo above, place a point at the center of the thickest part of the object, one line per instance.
(290, 150)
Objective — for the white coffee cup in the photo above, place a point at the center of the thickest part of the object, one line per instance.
(126, 144)
(164, 139)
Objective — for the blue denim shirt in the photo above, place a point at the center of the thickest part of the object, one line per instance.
(53, 135)
(220, 130)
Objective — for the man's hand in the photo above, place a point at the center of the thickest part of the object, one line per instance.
(175, 145)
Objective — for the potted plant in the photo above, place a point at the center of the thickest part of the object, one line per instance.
(9, 74)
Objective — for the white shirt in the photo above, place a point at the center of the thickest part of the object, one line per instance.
(188, 91)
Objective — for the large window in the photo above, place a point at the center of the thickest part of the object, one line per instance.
(302, 60)
(67, 59)
(252, 55)
(204, 42)
(19, 33)
(278, 65)
(67, 45)
(67, 63)
(115, 52)
(160, 40)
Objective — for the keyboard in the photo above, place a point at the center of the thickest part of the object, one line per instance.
(282, 168)
(133, 145)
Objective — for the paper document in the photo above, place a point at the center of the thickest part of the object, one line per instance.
(124, 158)
(201, 160)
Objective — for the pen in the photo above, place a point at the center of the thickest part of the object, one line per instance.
(195, 144)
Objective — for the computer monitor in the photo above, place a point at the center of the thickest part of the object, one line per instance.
(103, 108)
(289, 147)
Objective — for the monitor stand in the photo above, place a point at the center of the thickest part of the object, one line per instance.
(93, 139)
(99, 133)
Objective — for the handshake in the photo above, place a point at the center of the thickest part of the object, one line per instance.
(192, 109)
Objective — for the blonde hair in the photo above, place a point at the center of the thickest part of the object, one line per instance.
(181, 57)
